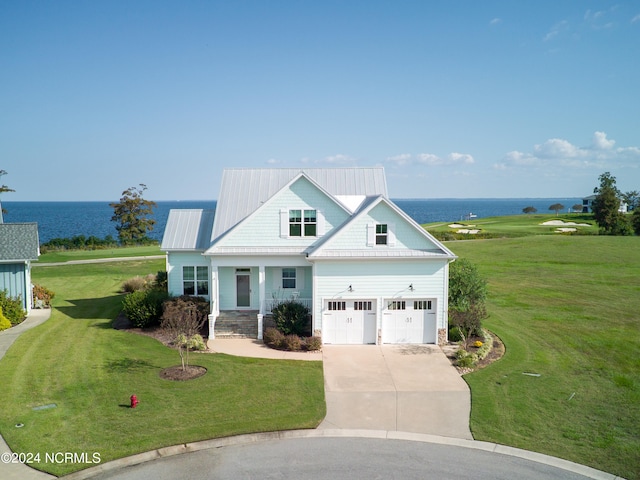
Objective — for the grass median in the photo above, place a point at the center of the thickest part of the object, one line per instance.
(76, 361)
(569, 383)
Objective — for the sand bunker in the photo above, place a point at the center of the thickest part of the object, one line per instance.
(562, 223)
(566, 230)
(468, 231)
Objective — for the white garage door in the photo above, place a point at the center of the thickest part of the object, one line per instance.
(409, 321)
(349, 322)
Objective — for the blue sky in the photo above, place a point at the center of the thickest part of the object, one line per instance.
(454, 98)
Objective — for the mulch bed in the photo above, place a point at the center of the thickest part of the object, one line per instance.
(495, 354)
(177, 373)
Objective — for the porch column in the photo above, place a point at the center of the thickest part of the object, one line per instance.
(261, 290)
(214, 301)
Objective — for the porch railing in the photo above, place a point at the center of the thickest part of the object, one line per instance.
(271, 302)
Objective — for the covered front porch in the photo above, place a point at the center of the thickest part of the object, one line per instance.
(251, 291)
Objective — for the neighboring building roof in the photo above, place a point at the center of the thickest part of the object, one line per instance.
(188, 229)
(244, 190)
(19, 242)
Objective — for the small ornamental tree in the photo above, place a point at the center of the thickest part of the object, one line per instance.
(556, 207)
(529, 209)
(467, 294)
(183, 318)
(132, 216)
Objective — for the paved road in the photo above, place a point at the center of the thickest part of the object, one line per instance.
(341, 458)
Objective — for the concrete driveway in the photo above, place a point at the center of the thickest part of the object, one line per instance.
(409, 388)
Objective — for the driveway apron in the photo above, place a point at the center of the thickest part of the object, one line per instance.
(409, 388)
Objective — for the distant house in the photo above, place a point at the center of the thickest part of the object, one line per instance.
(587, 204)
(19, 246)
(329, 238)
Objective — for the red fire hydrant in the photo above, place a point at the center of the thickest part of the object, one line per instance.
(134, 401)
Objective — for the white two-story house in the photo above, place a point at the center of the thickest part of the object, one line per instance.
(329, 238)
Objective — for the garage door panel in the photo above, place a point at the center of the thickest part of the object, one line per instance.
(350, 322)
(409, 321)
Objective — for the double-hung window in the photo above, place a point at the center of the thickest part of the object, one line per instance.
(195, 280)
(288, 278)
(381, 234)
(303, 223)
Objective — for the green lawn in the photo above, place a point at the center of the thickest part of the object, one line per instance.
(567, 308)
(78, 362)
(513, 226)
(68, 255)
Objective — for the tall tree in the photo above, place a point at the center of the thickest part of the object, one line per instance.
(606, 205)
(132, 216)
(3, 188)
(632, 199)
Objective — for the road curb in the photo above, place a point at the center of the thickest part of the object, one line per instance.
(252, 438)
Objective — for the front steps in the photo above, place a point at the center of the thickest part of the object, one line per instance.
(237, 324)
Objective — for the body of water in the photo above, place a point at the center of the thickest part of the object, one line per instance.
(70, 219)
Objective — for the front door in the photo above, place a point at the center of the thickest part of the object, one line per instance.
(243, 291)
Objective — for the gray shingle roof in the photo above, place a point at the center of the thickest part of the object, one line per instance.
(19, 242)
(244, 190)
(188, 229)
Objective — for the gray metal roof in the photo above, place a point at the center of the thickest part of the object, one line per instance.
(188, 229)
(19, 242)
(244, 190)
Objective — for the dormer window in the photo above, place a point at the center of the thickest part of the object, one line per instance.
(381, 234)
(302, 223)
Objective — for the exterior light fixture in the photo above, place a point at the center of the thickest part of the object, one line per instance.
(350, 288)
(411, 287)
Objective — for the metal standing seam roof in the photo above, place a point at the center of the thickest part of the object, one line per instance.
(19, 242)
(188, 229)
(244, 190)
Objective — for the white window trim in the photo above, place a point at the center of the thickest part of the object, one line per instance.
(371, 235)
(284, 223)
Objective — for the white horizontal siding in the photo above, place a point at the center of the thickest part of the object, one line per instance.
(175, 262)
(262, 229)
(380, 281)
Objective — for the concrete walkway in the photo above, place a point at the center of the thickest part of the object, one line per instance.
(18, 471)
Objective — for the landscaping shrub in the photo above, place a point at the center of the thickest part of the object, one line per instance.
(312, 344)
(42, 296)
(4, 321)
(12, 308)
(196, 342)
(455, 335)
(292, 343)
(273, 338)
(465, 359)
(134, 284)
(144, 307)
(291, 317)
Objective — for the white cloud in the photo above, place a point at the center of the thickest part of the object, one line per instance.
(339, 159)
(601, 142)
(636, 19)
(495, 21)
(272, 161)
(556, 29)
(431, 160)
(559, 152)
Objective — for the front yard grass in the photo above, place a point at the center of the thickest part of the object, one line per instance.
(566, 309)
(76, 361)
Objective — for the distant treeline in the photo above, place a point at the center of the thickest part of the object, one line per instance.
(79, 242)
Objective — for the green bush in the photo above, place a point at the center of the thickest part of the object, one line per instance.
(196, 342)
(134, 284)
(4, 321)
(12, 308)
(291, 317)
(455, 335)
(465, 359)
(144, 307)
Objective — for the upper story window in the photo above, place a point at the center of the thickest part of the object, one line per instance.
(195, 280)
(381, 234)
(303, 223)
